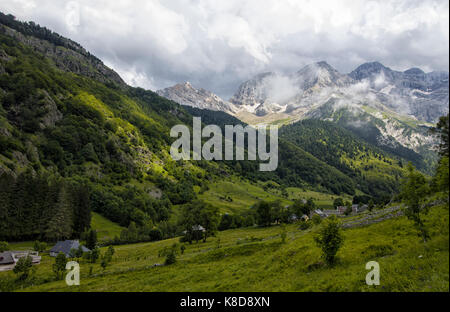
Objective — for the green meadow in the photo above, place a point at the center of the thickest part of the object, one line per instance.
(234, 195)
(106, 229)
(255, 259)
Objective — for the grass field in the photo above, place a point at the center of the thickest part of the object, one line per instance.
(244, 194)
(106, 230)
(322, 200)
(254, 259)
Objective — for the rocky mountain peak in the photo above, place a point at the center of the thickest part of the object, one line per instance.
(370, 69)
(252, 92)
(320, 74)
(324, 65)
(188, 95)
(414, 71)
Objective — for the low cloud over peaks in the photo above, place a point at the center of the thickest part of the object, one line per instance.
(217, 45)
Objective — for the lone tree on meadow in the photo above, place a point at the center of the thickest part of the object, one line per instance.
(91, 239)
(263, 213)
(107, 257)
(329, 239)
(414, 192)
(60, 265)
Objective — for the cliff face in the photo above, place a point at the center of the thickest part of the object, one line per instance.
(422, 95)
(67, 56)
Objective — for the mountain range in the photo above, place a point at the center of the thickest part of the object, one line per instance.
(423, 96)
(391, 109)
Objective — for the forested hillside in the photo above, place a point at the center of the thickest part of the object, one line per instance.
(57, 127)
(296, 167)
(373, 171)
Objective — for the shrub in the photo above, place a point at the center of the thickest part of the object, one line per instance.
(94, 255)
(171, 257)
(4, 246)
(23, 267)
(111, 251)
(330, 239)
(304, 225)
(316, 219)
(39, 246)
(348, 211)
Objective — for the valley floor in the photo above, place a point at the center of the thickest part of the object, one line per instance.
(255, 259)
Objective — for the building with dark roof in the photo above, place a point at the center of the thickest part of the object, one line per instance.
(6, 258)
(65, 247)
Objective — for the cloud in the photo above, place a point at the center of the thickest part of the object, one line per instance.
(280, 88)
(380, 81)
(219, 44)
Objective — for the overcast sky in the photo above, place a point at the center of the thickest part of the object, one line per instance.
(217, 44)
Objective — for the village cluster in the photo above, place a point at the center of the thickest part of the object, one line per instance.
(339, 211)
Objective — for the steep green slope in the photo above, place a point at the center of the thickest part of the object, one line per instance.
(106, 230)
(68, 127)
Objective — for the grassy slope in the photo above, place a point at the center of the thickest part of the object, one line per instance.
(322, 200)
(106, 230)
(268, 265)
(245, 194)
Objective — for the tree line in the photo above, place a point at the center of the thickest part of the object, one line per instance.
(38, 206)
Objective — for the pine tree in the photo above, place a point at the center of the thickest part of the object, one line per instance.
(442, 130)
(17, 208)
(91, 239)
(60, 225)
(81, 209)
(6, 183)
